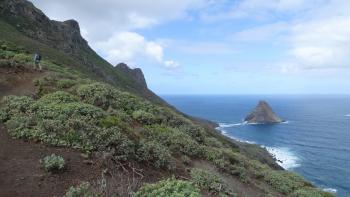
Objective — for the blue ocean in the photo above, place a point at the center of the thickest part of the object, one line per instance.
(314, 141)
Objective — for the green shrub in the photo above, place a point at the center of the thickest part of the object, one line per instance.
(208, 181)
(185, 159)
(66, 83)
(195, 132)
(144, 117)
(82, 190)
(176, 140)
(53, 163)
(110, 121)
(23, 58)
(213, 142)
(58, 98)
(156, 153)
(169, 187)
(97, 94)
(285, 182)
(15, 105)
(310, 192)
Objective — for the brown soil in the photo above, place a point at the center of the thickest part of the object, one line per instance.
(18, 80)
(21, 173)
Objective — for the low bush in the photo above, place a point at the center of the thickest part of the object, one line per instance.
(285, 182)
(185, 159)
(82, 190)
(66, 83)
(310, 192)
(176, 140)
(156, 153)
(14, 105)
(97, 94)
(53, 163)
(208, 181)
(169, 187)
(144, 117)
(22, 58)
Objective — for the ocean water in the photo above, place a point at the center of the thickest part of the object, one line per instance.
(314, 141)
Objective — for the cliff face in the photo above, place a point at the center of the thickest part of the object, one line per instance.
(263, 114)
(136, 73)
(62, 42)
(64, 36)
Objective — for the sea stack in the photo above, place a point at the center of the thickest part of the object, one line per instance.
(263, 114)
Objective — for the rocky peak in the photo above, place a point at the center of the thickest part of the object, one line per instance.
(263, 114)
(23, 15)
(135, 73)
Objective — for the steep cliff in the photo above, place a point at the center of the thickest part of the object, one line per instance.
(22, 23)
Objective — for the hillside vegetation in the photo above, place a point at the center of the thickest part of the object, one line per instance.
(72, 110)
(80, 102)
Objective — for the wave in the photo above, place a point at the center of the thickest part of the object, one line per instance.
(226, 125)
(284, 157)
(224, 132)
(348, 115)
(331, 190)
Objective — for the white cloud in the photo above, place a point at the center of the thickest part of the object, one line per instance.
(110, 25)
(101, 18)
(262, 33)
(126, 46)
(171, 64)
(314, 33)
(257, 9)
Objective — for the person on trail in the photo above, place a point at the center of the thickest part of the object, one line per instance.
(37, 58)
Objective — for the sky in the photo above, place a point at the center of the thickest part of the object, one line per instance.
(220, 46)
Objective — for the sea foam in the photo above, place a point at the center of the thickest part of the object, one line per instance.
(284, 157)
(227, 125)
(331, 190)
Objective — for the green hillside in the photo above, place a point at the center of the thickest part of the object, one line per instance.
(145, 147)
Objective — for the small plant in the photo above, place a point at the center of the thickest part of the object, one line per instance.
(209, 181)
(144, 117)
(53, 163)
(185, 159)
(169, 187)
(82, 190)
(309, 191)
(156, 153)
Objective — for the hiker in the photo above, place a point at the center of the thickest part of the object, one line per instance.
(37, 58)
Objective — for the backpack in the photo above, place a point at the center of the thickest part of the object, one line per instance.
(39, 57)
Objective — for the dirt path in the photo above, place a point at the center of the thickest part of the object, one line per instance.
(18, 80)
(21, 173)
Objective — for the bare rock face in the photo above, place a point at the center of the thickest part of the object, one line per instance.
(31, 21)
(263, 114)
(136, 73)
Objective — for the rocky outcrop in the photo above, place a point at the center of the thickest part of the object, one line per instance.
(135, 74)
(263, 114)
(62, 42)
(64, 36)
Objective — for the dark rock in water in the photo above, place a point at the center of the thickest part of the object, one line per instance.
(263, 114)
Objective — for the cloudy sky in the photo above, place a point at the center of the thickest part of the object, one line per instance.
(221, 46)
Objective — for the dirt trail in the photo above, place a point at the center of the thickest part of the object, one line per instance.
(18, 80)
(22, 175)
